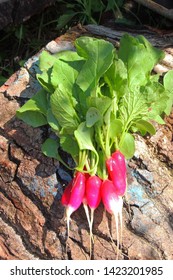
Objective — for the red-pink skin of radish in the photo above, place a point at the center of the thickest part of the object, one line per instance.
(77, 191)
(111, 201)
(66, 194)
(117, 175)
(120, 159)
(93, 191)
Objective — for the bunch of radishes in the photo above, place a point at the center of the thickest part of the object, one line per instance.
(94, 99)
(90, 190)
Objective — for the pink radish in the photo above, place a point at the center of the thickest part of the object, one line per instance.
(85, 205)
(74, 195)
(120, 159)
(92, 198)
(113, 204)
(66, 194)
(117, 173)
(93, 194)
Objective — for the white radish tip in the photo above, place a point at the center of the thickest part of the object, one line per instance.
(69, 211)
(116, 206)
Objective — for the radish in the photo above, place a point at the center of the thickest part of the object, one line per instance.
(66, 194)
(120, 159)
(87, 175)
(93, 197)
(113, 204)
(85, 205)
(93, 192)
(117, 173)
(73, 196)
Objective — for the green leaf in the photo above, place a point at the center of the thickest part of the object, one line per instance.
(154, 55)
(50, 148)
(101, 103)
(116, 78)
(101, 166)
(115, 127)
(68, 56)
(45, 81)
(33, 118)
(84, 136)
(139, 57)
(168, 85)
(127, 146)
(65, 70)
(99, 56)
(33, 112)
(132, 108)
(133, 54)
(65, 18)
(157, 100)
(159, 119)
(69, 145)
(63, 110)
(46, 61)
(92, 116)
(168, 81)
(52, 121)
(144, 126)
(38, 102)
(81, 106)
(97, 6)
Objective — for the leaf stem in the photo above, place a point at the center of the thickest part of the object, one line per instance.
(82, 159)
(126, 129)
(107, 151)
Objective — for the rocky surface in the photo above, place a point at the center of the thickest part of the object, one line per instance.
(32, 224)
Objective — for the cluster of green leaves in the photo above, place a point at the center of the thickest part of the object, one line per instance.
(87, 11)
(94, 98)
